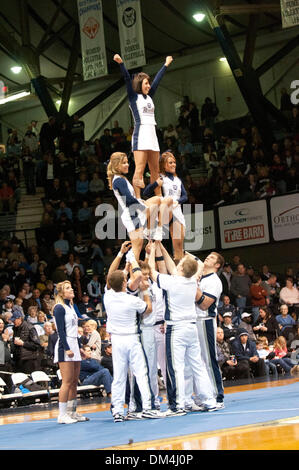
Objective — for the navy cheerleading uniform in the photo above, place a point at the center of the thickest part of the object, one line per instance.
(143, 110)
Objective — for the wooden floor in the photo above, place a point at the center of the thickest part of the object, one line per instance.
(272, 435)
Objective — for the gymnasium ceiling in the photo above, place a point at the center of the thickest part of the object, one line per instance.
(168, 28)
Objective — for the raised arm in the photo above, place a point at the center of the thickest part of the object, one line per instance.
(116, 262)
(170, 265)
(160, 74)
(117, 58)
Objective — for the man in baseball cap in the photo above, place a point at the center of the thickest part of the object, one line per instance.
(245, 350)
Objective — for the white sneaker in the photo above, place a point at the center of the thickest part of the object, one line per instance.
(207, 408)
(178, 412)
(133, 415)
(78, 417)
(220, 405)
(193, 407)
(66, 419)
(152, 414)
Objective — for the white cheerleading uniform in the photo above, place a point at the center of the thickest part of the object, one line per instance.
(66, 321)
(182, 341)
(133, 210)
(211, 286)
(123, 323)
(143, 111)
(158, 304)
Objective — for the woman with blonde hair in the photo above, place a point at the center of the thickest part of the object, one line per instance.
(145, 145)
(281, 351)
(174, 194)
(135, 212)
(67, 353)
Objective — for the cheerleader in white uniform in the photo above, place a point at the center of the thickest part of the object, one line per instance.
(67, 353)
(145, 144)
(174, 194)
(136, 213)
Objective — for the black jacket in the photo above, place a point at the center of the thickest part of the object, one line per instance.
(31, 347)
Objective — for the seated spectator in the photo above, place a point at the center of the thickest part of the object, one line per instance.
(258, 296)
(94, 289)
(96, 185)
(266, 325)
(70, 264)
(118, 138)
(93, 373)
(289, 295)
(265, 275)
(228, 307)
(286, 323)
(63, 209)
(264, 352)
(80, 247)
(240, 287)
(272, 287)
(7, 201)
(105, 143)
(228, 364)
(281, 352)
(245, 350)
(107, 357)
(55, 194)
(82, 187)
(97, 258)
(84, 217)
(229, 330)
(92, 339)
(32, 314)
(79, 283)
(170, 133)
(246, 324)
(294, 348)
(47, 303)
(39, 325)
(278, 174)
(62, 244)
(86, 307)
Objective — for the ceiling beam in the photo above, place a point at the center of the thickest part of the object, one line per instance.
(55, 36)
(268, 64)
(69, 79)
(50, 25)
(248, 9)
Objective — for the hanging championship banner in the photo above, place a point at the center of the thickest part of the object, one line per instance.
(94, 62)
(289, 13)
(130, 33)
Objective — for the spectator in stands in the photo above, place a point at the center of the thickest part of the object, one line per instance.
(245, 350)
(79, 284)
(170, 133)
(286, 323)
(96, 185)
(278, 174)
(86, 307)
(93, 339)
(93, 373)
(94, 289)
(246, 324)
(209, 112)
(84, 218)
(258, 296)
(48, 133)
(12, 182)
(265, 274)
(5, 356)
(118, 138)
(63, 209)
(80, 247)
(32, 314)
(271, 286)
(240, 287)
(77, 130)
(55, 194)
(225, 278)
(107, 358)
(281, 352)
(235, 262)
(229, 330)
(25, 346)
(7, 201)
(227, 306)
(82, 187)
(294, 123)
(230, 367)
(106, 141)
(264, 353)
(97, 258)
(266, 325)
(62, 244)
(290, 295)
(71, 264)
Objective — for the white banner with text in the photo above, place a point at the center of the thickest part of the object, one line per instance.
(285, 217)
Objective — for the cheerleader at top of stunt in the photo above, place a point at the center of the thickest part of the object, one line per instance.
(145, 144)
(174, 194)
(136, 213)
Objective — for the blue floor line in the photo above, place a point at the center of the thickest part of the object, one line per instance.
(242, 408)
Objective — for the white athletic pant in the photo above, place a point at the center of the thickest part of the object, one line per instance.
(127, 351)
(161, 351)
(149, 345)
(182, 346)
(206, 330)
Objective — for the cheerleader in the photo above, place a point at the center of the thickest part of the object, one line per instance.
(67, 353)
(174, 194)
(136, 213)
(145, 144)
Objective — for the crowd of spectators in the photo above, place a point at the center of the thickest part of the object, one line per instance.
(72, 172)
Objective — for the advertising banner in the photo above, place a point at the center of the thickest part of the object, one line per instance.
(289, 13)
(285, 217)
(243, 224)
(200, 237)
